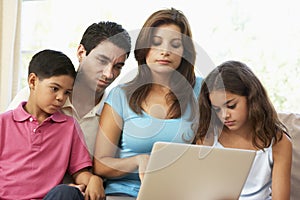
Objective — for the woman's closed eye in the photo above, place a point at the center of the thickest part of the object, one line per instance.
(176, 43)
(156, 41)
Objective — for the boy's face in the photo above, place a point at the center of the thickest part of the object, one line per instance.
(101, 66)
(50, 94)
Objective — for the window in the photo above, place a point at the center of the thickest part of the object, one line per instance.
(263, 34)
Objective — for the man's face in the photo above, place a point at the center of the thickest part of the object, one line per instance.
(101, 66)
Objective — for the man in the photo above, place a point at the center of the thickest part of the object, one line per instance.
(102, 52)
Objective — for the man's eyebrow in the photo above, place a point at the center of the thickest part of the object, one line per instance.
(102, 56)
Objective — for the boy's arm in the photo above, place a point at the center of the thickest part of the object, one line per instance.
(94, 184)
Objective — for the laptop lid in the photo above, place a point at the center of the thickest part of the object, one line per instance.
(195, 172)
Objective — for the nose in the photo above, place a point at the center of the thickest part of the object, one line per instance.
(165, 50)
(59, 96)
(108, 72)
(225, 114)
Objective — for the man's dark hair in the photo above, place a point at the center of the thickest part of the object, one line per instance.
(111, 31)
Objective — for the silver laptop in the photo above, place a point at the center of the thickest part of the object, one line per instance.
(194, 172)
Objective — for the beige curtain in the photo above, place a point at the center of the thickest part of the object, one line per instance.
(10, 25)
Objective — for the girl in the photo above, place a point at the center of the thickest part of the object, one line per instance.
(157, 105)
(235, 109)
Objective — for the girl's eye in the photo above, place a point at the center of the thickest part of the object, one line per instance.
(232, 106)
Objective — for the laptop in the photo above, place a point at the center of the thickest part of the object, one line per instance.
(195, 172)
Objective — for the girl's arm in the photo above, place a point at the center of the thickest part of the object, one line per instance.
(281, 176)
(106, 146)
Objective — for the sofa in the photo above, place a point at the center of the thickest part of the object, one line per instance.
(292, 122)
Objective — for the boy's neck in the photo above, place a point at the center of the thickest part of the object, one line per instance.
(32, 109)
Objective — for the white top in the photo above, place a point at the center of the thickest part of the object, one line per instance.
(259, 181)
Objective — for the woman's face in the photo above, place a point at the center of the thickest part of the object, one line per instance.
(166, 49)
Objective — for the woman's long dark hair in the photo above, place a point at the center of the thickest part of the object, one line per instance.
(183, 79)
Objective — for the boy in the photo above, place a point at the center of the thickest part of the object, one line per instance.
(102, 52)
(38, 143)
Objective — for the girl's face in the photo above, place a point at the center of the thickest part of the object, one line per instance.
(231, 109)
(166, 49)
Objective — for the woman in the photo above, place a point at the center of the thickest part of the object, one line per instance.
(157, 105)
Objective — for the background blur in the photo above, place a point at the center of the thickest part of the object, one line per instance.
(264, 34)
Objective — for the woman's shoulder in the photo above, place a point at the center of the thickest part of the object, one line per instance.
(199, 79)
(197, 85)
(117, 89)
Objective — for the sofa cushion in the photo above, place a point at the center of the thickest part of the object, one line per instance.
(292, 122)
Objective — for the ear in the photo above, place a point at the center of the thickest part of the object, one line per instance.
(81, 52)
(32, 80)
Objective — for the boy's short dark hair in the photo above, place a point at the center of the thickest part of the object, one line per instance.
(111, 31)
(48, 63)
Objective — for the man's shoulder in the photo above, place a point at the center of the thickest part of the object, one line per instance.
(22, 95)
(6, 115)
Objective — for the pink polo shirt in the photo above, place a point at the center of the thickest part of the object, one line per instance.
(34, 157)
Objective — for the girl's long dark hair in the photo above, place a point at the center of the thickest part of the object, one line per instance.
(237, 78)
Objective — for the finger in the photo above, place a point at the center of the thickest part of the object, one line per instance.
(86, 197)
(81, 187)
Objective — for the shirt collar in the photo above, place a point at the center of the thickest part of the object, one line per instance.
(19, 114)
(96, 110)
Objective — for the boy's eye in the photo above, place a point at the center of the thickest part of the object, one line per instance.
(68, 92)
(54, 89)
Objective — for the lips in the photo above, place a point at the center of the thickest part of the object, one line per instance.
(229, 123)
(103, 83)
(163, 62)
(56, 107)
